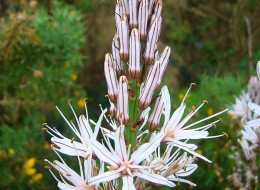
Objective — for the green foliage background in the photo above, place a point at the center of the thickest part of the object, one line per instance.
(53, 51)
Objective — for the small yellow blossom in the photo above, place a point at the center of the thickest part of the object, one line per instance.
(38, 74)
(210, 111)
(29, 163)
(74, 77)
(181, 96)
(11, 151)
(3, 154)
(46, 146)
(199, 151)
(81, 103)
(37, 177)
(29, 171)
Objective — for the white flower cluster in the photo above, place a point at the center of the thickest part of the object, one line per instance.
(139, 149)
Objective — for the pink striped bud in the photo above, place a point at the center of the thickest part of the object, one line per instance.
(143, 19)
(122, 10)
(133, 6)
(124, 38)
(110, 74)
(122, 102)
(117, 16)
(118, 64)
(158, 9)
(149, 86)
(154, 119)
(151, 45)
(150, 8)
(134, 55)
(164, 59)
(126, 6)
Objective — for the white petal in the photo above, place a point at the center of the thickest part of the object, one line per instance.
(154, 178)
(104, 177)
(128, 183)
(120, 146)
(181, 180)
(187, 171)
(104, 154)
(254, 107)
(145, 149)
(67, 147)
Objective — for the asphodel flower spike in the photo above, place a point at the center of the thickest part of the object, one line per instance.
(134, 54)
(118, 64)
(123, 31)
(110, 74)
(133, 11)
(146, 93)
(151, 44)
(143, 19)
(122, 102)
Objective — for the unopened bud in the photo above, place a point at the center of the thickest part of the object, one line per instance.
(164, 59)
(126, 6)
(158, 9)
(122, 10)
(150, 8)
(122, 102)
(151, 45)
(133, 6)
(124, 38)
(118, 64)
(155, 117)
(149, 86)
(117, 16)
(134, 55)
(143, 19)
(110, 74)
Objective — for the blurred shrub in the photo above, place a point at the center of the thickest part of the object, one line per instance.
(39, 62)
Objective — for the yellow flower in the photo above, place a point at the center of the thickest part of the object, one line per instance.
(11, 151)
(210, 111)
(29, 171)
(181, 96)
(29, 163)
(81, 103)
(38, 74)
(37, 177)
(74, 77)
(46, 146)
(3, 154)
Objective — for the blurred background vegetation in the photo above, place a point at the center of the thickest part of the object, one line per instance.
(52, 51)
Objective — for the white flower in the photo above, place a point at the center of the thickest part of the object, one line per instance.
(85, 134)
(175, 128)
(126, 166)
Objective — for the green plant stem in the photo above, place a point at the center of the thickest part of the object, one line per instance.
(131, 132)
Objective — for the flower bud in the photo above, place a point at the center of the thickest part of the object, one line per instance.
(149, 86)
(164, 59)
(117, 16)
(122, 102)
(124, 38)
(134, 55)
(158, 9)
(118, 64)
(122, 10)
(150, 8)
(151, 45)
(154, 119)
(133, 22)
(143, 19)
(126, 6)
(110, 74)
